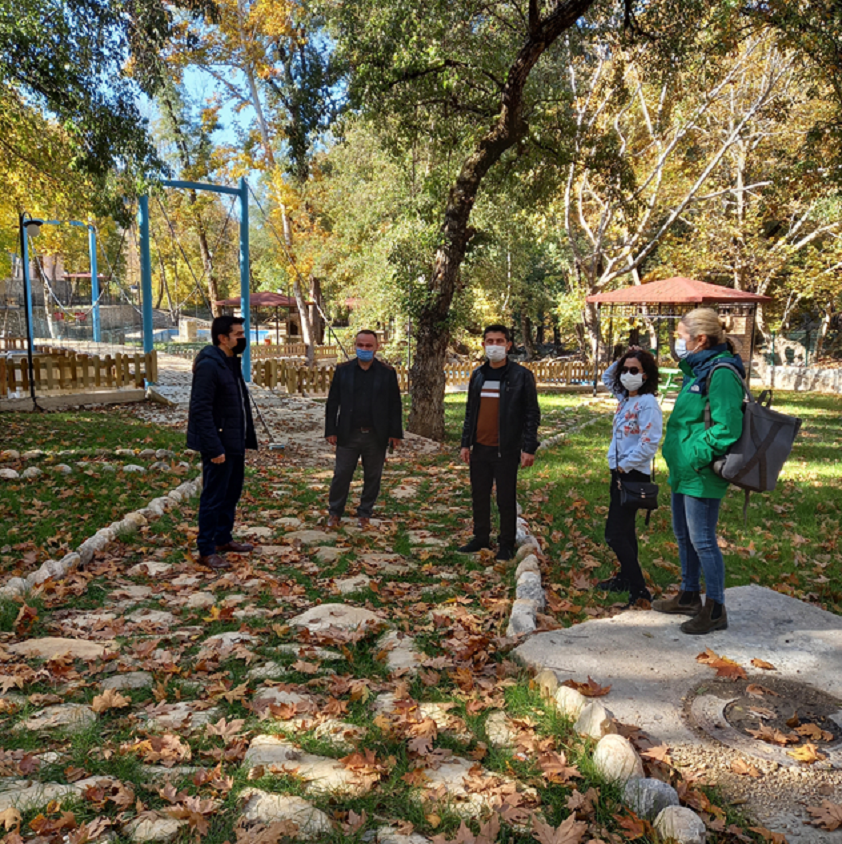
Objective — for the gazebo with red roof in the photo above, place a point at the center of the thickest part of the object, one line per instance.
(669, 299)
(264, 299)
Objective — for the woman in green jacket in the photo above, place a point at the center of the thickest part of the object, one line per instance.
(689, 448)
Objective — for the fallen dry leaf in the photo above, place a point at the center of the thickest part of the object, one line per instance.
(828, 816)
(813, 732)
(589, 689)
(761, 663)
(570, 831)
(744, 769)
(807, 753)
(109, 699)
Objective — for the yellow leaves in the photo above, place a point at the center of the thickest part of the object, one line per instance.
(10, 818)
(813, 732)
(109, 699)
(724, 667)
(807, 753)
(273, 18)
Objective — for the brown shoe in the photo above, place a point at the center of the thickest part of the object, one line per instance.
(235, 547)
(364, 522)
(333, 521)
(712, 616)
(215, 562)
(684, 603)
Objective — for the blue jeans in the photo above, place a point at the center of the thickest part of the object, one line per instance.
(694, 524)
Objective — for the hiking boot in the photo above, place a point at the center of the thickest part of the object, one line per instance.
(236, 547)
(333, 521)
(684, 603)
(215, 562)
(474, 546)
(712, 616)
(615, 583)
(505, 553)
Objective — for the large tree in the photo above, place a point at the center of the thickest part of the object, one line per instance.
(476, 76)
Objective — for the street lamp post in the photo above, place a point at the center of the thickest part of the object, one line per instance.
(26, 223)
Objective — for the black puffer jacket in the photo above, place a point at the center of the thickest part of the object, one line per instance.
(520, 414)
(220, 420)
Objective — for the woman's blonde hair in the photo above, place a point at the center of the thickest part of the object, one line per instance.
(706, 321)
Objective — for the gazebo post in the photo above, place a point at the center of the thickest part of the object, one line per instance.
(751, 343)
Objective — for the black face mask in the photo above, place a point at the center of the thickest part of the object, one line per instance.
(239, 346)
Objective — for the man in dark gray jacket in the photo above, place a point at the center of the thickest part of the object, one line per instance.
(221, 428)
(363, 418)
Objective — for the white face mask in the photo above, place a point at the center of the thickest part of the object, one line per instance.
(495, 353)
(631, 382)
(681, 349)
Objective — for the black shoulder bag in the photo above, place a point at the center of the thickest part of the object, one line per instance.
(636, 495)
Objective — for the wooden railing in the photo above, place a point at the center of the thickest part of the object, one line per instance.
(291, 350)
(8, 344)
(65, 371)
(316, 381)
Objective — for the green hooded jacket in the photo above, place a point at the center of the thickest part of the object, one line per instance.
(688, 447)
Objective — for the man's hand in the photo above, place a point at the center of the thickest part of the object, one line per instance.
(331, 440)
(394, 442)
(220, 459)
(465, 454)
(526, 459)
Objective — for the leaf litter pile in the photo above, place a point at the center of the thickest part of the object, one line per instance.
(208, 710)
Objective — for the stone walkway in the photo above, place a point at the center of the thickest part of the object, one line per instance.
(333, 684)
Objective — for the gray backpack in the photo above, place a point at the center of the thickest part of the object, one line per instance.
(755, 460)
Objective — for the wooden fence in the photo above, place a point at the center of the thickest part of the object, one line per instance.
(316, 381)
(291, 350)
(65, 371)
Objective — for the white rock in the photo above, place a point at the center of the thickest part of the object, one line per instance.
(149, 568)
(345, 616)
(273, 696)
(401, 652)
(146, 453)
(8, 475)
(9, 455)
(389, 835)
(327, 555)
(307, 537)
(616, 760)
(595, 721)
(529, 588)
(63, 469)
(183, 714)
(229, 639)
(52, 646)
(31, 472)
(72, 717)
(528, 563)
(349, 585)
(27, 798)
(262, 807)
(200, 600)
(136, 519)
(134, 469)
(499, 729)
(649, 797)
(681, 824)
(320, 773)
(154, 828)
(524, 617)
(152, 618)
(547, 684)
(131, 680)
(570, 702)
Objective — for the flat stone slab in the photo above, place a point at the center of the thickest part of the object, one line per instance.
(132, 680)
(229, 639)
(349, 585)
(183, 714)
(153, 618)
(150, 568)
(324, 616)
(320, 773)
(150, 828)
(72, 717)
(385, 562)
(263, 807)
(52, 646)
(273, 696)
(425, 537)
(401, 652)
(651, 665)
(27, 798)
(308, 537)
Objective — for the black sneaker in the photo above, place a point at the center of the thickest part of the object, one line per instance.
(617, 583)
(504, 553)
(474, 546)
(639, 595)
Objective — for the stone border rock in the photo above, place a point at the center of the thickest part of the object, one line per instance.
(57, 569)
(555, 438)
(529, 591)
(12, 455)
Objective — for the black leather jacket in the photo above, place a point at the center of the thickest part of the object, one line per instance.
(520, 414)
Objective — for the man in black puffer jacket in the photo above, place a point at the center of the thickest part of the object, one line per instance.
(221, 428)
(500, 434)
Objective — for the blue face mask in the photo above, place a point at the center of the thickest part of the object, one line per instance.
(365, 355)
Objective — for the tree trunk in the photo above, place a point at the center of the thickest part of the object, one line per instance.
(316, 320)
(304, 318)
(760, 324)
(590, 320)
(433, 329)
(526, 336)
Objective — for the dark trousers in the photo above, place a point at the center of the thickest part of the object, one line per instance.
(221, 489)
(488, 468)
(620, 532)
(373, 454)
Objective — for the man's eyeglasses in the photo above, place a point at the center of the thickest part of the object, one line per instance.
(630, 370)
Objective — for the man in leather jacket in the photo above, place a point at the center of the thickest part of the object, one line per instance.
(500, 434)
(221, 428)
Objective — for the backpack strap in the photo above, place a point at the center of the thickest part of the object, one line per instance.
(748, 396)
